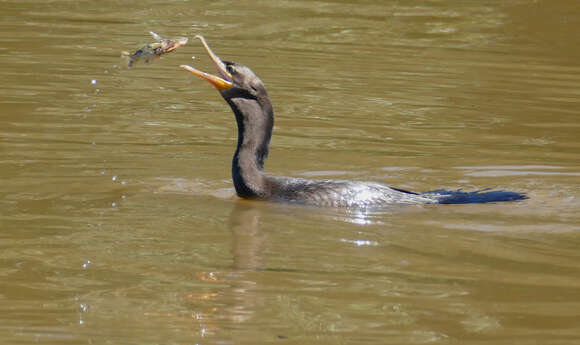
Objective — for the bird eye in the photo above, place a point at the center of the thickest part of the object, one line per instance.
(230, 69)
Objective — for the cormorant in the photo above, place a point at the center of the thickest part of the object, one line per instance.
(246, 95)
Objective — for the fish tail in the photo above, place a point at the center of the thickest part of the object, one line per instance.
(128, 58)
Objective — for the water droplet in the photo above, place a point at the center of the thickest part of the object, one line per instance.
(94, 82)
(86, 264)
(115, 178)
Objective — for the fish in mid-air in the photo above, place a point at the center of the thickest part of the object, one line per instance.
(154, 50)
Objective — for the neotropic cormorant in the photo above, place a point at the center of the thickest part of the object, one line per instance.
(246, 95)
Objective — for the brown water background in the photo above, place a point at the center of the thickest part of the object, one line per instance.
(118, 220)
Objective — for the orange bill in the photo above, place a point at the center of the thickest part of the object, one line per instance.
(221, 83)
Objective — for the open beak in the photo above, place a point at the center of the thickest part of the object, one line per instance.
(221, 83)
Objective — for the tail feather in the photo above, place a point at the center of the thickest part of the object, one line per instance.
(478, 197)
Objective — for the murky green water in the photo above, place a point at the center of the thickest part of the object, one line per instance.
(118, 220)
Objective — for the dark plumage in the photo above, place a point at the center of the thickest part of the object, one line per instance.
(246, 95)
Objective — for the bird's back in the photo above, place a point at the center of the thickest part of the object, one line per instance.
(338, 193)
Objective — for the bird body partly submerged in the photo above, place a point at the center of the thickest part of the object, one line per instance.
(339, 193)
(246, 95)
(361, 194)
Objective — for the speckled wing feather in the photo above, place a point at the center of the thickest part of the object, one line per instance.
(344, 193)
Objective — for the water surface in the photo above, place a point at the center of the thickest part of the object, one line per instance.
(119, 223)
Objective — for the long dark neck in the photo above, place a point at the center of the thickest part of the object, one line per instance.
(255, 120)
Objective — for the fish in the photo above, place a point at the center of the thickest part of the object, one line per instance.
(154, 50)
